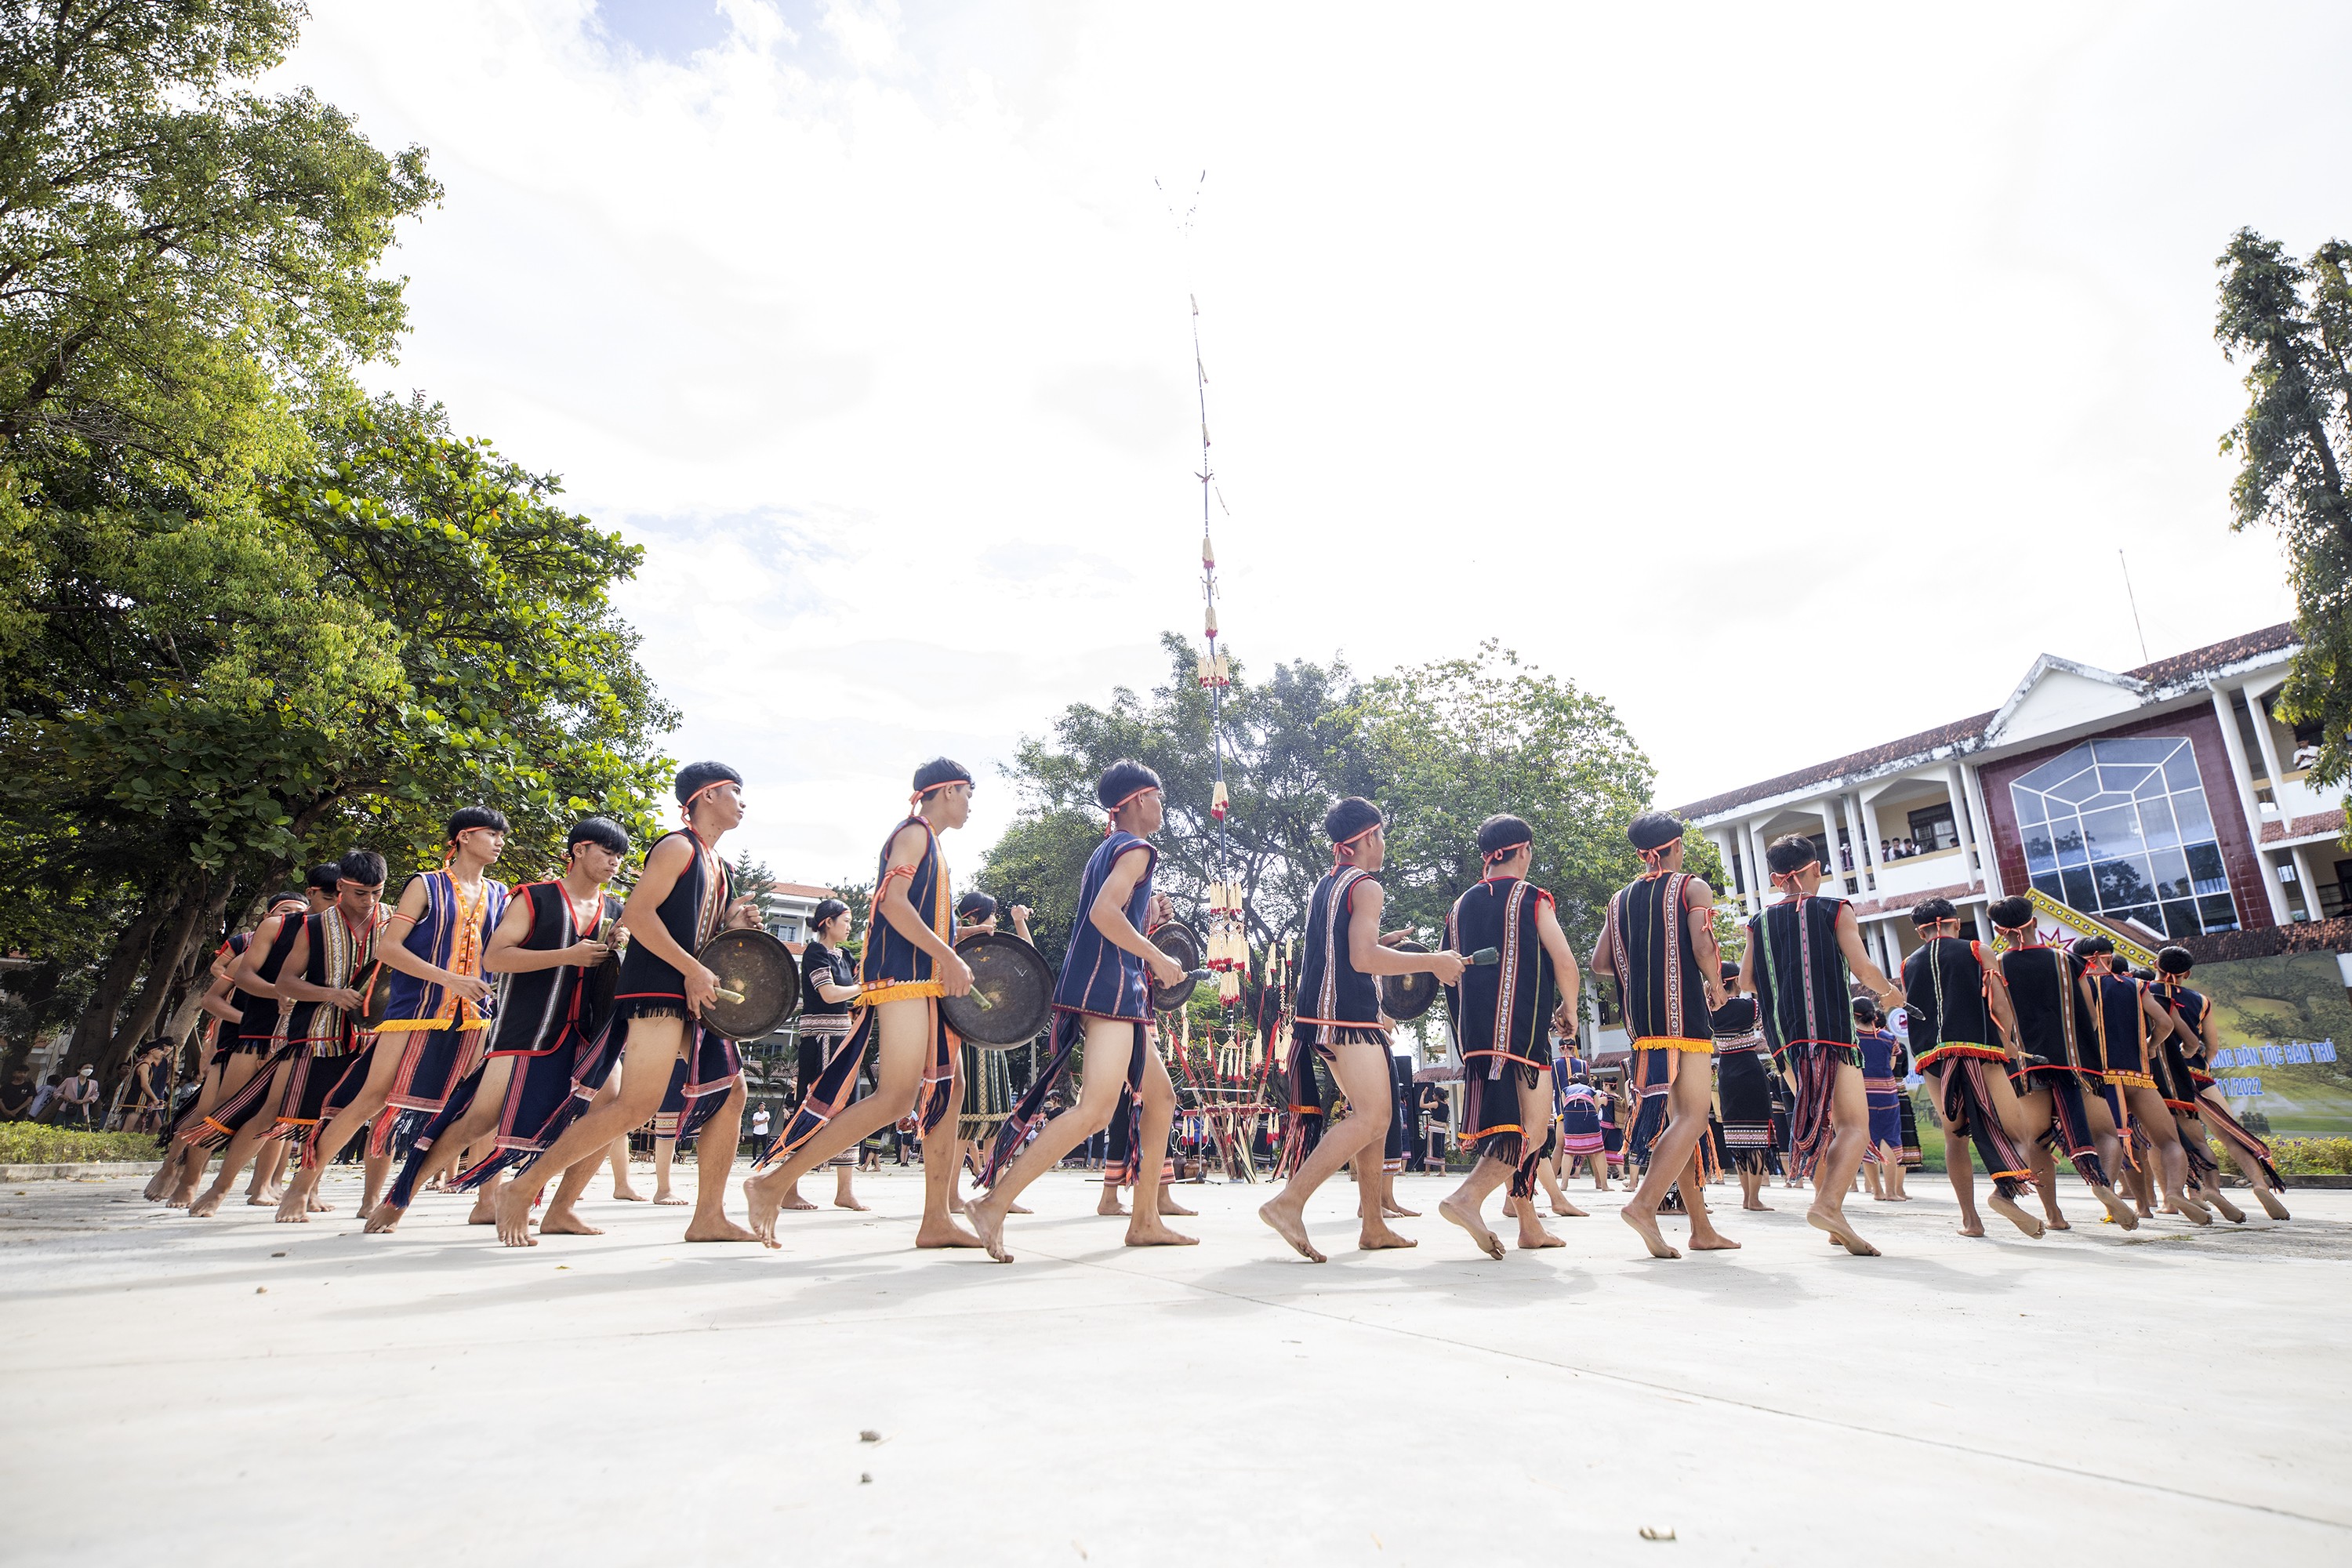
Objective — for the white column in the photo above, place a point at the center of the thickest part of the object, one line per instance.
(1864, 873)
(2255, 693)
(1721, 839)
(2306, 878)
(1972, 787)
(1870, 833)
(2241, 776)
(1830, 831)
(1963, 820)
(1761, 882)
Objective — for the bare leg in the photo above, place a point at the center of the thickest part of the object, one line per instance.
(382, 1066)
(665, 1155)
(1959, 1166)
(1362, 1070)
(480, 1117)
(1147, 1228)
(1461, 1205)
(241, 1148)
(1109, 1202)
(2170, 1158)
(561, 1217)
(2243, 1161)
(1687, 1102)
(264, 1189)
(843, 1197)
(714, 1161)
(1849, 1137)
(623, 1190)
(653, 1048)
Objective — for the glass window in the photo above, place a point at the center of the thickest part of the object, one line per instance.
(2120, 828)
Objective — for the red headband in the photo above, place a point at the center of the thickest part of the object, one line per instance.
(1111, 819)
(686, 807)
(1352, 838)
(1506, 851)
(933, 789)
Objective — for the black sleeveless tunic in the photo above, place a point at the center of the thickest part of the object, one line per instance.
(543, 1010)
(1658, 973)
(2049, 1016)
(256, 1016)
(1333, 994)
(691, 913)
(1803, 982)
(1944, 986)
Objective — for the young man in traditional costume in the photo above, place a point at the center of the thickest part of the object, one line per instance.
(681, 902)
(1659, 942)
(828, 990)
(439, 999)
(1803, 954)
(1743, 1073)
(232, 1063)
(1882, 1093)
(2125, 1019)
(252, 1040)
(545, 1055)
(1502, 1015)
(986, 1077)
(1337, 1018)
(1957, 1001)
(319, 1042)
(2184, 1061)
(2060, 1078)
(909, 963)
(1102, 999)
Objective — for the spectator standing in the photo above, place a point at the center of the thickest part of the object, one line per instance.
(45, 1100)
(80, 1093)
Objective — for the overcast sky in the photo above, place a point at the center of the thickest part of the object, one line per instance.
(1789, 376)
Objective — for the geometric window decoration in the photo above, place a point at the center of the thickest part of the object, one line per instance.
(2120, 828)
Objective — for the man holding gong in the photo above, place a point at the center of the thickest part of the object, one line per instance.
(1102, 997)
(681, 902)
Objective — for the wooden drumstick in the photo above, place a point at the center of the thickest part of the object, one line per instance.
(726, 995)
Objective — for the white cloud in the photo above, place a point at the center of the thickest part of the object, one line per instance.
(1790, 377)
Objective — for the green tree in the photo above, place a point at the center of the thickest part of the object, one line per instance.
(178, 256)
(2291, 323)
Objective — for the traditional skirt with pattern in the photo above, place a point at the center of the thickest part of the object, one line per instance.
(987, 1094)
(1883, 1096)
(1580, 1120)
(1743, 1085)
(1811, 1067)
(822, 1036)
(1964, 1097)
(2070, 1127)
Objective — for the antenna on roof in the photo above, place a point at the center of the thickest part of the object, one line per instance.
(2134, 600)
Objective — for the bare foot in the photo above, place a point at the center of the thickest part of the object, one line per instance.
(1454, 1214)
(990, 1225)
(849, 1203)
(1017, 1208)
(2016, 1216)
(514, 1216)
(181, 1193)
(566, 1222)
(628, 1195)
(383, 1219)
(1534, 1237)
(668, 1199)
(1843, 1234)
(1110, 1203)
(1292, 1228)
(484, 1210)
(1709, 1239)
(1397, 1211)
(2270, 1205)
(1645, 1224)
(2227, 1209)
(207, 1206)
(2056, 1221)
(717, 1228)
(1568, 1210)
(158, 1183)
(1970, 1226)
(2193, 1211)
(793, 1200)
(2118, 1210)
(944, 1234)
(1756, 1205)
(1378, 1237)
(1160, 1235)
(763, 1200)
(1169, 1206)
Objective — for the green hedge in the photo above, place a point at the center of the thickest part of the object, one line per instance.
(2315, 1157)
(30, 1143)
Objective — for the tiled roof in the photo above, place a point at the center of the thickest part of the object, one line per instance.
(1917, 745)
(2163, 672)
(2215, 655)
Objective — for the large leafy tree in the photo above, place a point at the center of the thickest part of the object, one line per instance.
(249, 619)
(2291, 323)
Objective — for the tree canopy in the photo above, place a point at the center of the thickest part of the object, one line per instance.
(250, 618)
(1441, 747)
(2291, 323)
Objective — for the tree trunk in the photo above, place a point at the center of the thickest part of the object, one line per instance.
(95, 1029)
(202, 901)
(34, 988)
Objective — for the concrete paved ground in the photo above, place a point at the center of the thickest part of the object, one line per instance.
(236, 1391)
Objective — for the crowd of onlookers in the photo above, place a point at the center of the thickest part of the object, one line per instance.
(141, 1104)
